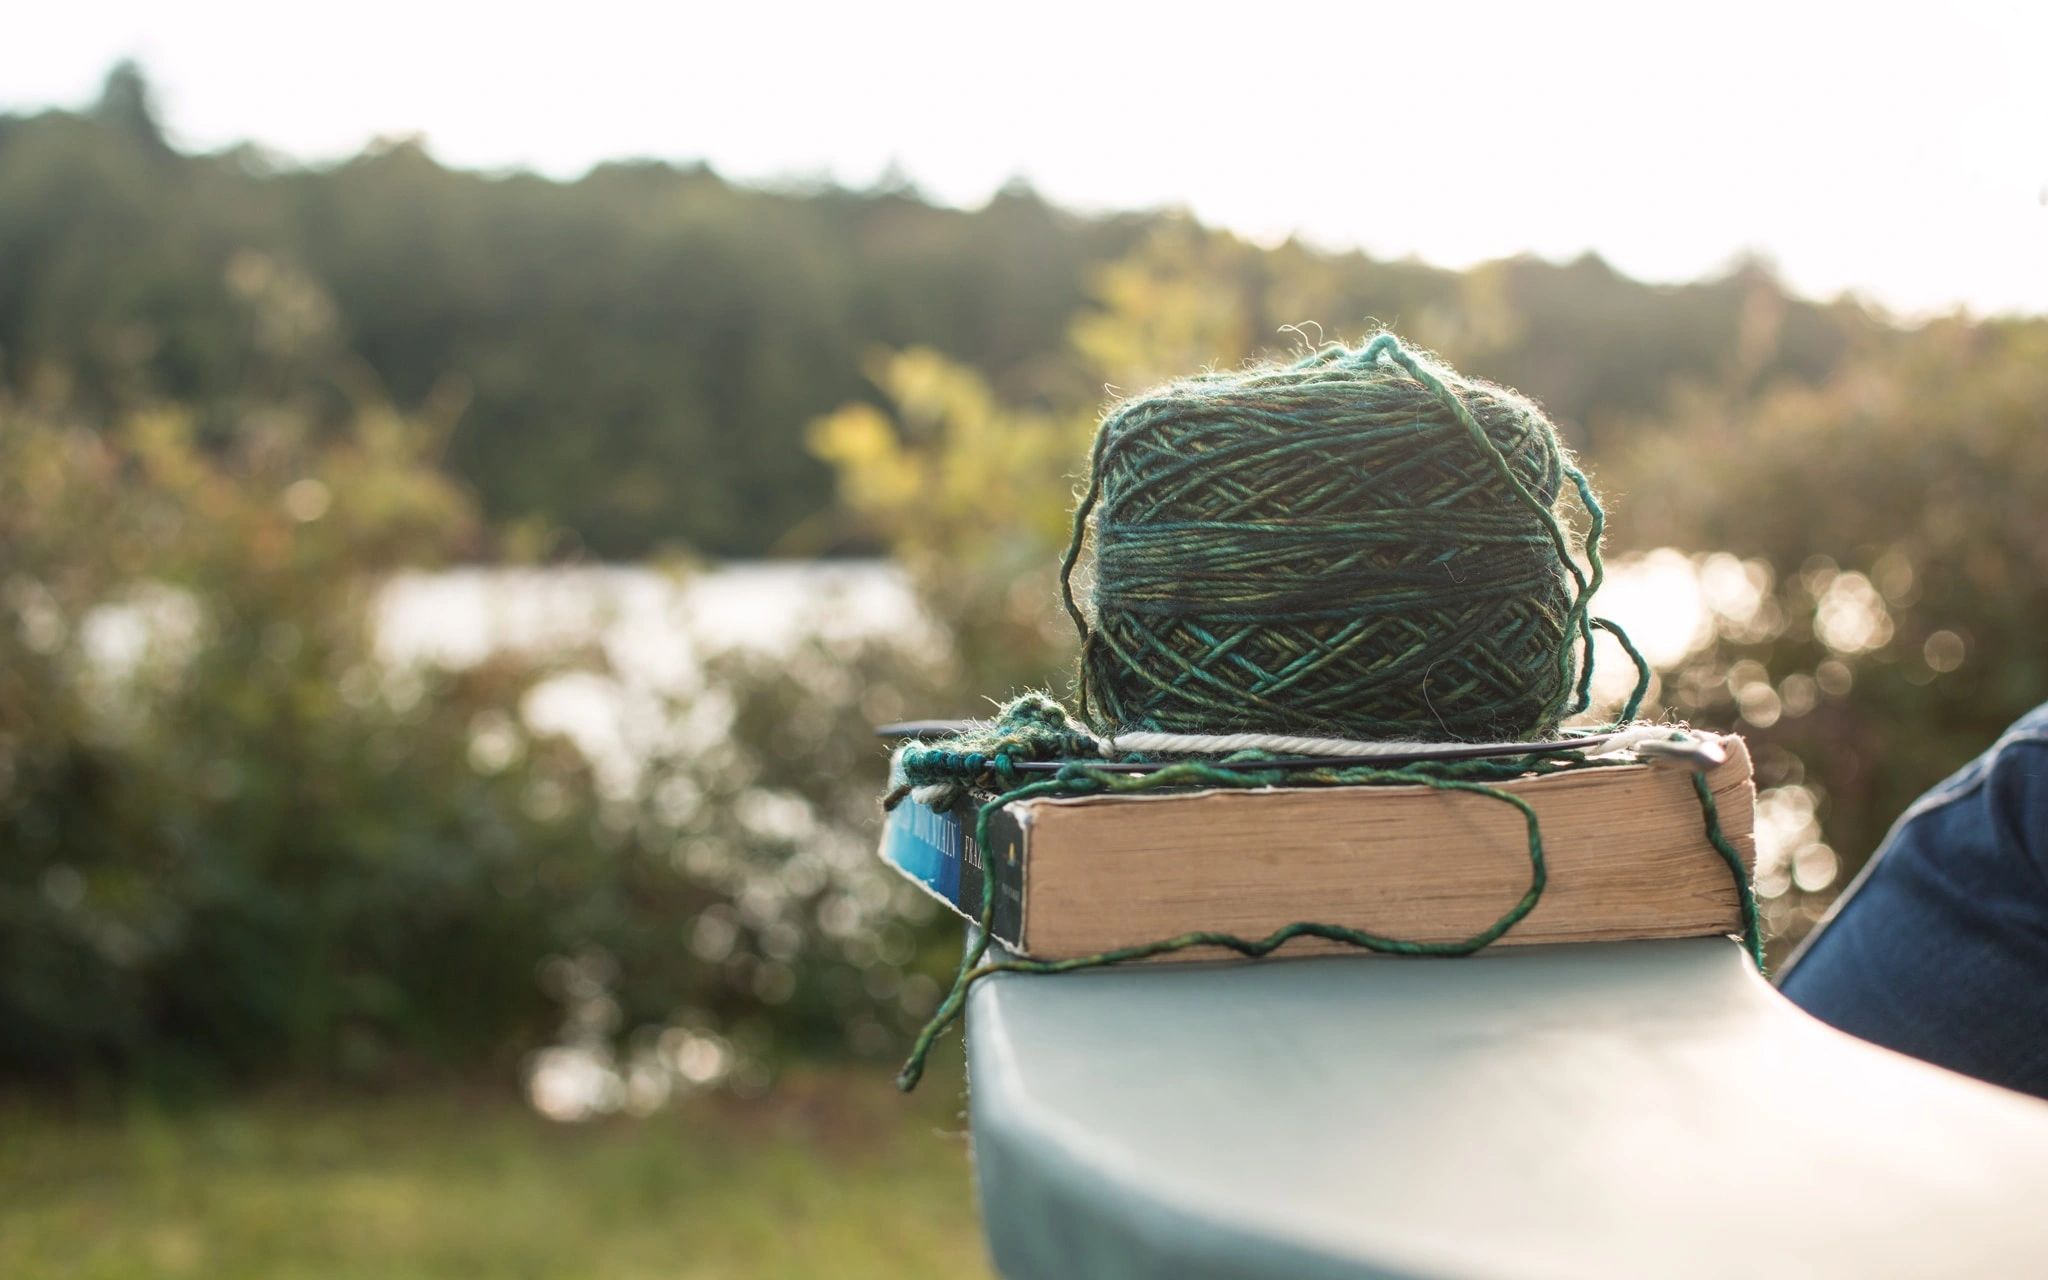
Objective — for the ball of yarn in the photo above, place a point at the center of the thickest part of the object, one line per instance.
(1361, 544)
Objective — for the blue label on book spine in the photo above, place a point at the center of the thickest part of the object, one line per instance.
(936, 848)
(926, 845)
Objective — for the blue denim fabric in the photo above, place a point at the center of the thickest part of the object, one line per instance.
(1940, 948)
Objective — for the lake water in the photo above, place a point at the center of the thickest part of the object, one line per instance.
(649, 629)
(653, 628)
(648, 622)
(633, 639)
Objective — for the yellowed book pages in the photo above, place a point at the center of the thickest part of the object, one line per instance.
(1626, 850)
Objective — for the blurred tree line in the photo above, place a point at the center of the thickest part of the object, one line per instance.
(636, 352)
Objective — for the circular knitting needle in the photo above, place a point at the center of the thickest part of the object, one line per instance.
(1695, 752)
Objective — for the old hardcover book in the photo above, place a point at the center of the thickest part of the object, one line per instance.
(1626, 848)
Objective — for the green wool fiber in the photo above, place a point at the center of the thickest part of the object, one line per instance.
(1361, 544)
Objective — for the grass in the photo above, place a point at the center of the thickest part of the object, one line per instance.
(831, 1174)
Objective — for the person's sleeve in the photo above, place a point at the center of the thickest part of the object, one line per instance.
(1940, 949)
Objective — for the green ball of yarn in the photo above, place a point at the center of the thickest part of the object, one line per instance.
(1361, 544)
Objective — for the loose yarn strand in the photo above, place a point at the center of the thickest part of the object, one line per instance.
(1082, 780)
(1633, 707)
(1596, 533)
(1389, 345)
(1082, 510)
(1752, 926)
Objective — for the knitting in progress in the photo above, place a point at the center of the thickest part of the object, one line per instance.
(1310, 575)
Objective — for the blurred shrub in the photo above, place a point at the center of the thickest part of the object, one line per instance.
(1894, 536)
(236, 841)
(974, 494)
(967, 493)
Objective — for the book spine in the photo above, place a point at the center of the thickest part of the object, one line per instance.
(936, 848)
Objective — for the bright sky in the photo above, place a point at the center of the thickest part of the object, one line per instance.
(1900, 151)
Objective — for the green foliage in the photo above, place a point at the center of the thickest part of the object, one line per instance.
(240, 841)
(958, 486)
